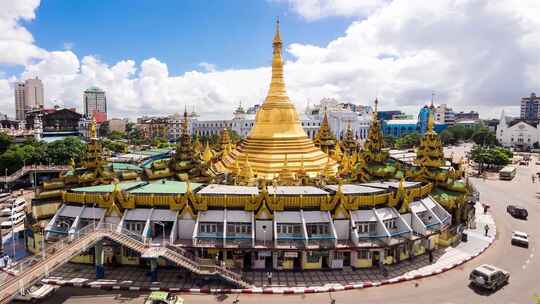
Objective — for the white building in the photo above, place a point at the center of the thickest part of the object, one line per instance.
(517, 133)
(28, 97)
(340, 116)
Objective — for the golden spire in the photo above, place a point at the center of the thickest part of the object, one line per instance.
(431, 122)
(225, 139)
(337, 152)
(93, 128)
(277, 92)
(207, 155)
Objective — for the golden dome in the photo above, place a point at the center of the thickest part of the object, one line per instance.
(277, 132)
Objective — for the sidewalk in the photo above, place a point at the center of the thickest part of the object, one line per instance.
(134, 278)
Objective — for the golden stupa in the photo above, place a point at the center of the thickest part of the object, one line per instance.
(277, 139)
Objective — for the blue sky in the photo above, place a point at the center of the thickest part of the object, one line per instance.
(147, 55)
(230, 34)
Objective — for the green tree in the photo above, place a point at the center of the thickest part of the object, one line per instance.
(484, 136)
(447, 137)
(61, 151)
(389, 141)
(408, 141)
(5, 142)
(116, 135)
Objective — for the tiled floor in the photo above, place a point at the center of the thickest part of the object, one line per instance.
(179, 278)
(345, 276)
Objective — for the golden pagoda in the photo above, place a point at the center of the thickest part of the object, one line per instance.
(277, 132)
(372, 151)
(430, 152)
(225, 140)
(325, 138)
(350, 144)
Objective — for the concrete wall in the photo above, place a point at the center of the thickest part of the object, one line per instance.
(259, 232)
(342, 229)
(185, 229)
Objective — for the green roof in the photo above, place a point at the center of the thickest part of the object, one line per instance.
(109, 188)
(164, 187)
(153, 152)
(125, 167)
(149, 164)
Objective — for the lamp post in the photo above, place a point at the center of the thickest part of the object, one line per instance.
(13, 227)
(264, 231)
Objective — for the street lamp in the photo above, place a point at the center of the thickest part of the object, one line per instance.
(264, 231)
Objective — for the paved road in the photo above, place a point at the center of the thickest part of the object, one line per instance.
(449, 287)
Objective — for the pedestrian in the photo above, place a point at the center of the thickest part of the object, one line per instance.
(532, 177)
(486, 229)
(430, 252)
(217, 259)
(269, 277)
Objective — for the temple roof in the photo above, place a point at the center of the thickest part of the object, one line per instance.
(164, 187)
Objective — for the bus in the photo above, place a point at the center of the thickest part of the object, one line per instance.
(507, 173)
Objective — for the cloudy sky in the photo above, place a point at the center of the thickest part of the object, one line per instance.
(155, 57)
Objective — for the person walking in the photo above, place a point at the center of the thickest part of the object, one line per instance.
(486, 230)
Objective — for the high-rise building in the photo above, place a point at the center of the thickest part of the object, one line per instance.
(530, 108)
(28, 97)
(95, 104)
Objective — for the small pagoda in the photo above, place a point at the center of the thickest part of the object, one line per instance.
(373, 148)
(349, 143)
(325, 139)
(187, 163)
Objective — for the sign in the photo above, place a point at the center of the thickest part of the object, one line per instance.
(290, 254)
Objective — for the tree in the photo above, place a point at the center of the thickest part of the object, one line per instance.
(389, 141)
(408, 141)
(490, 156)
(116, 135)
(447, 137)
(5, 142)
(484, 136)
(61, 151)
(104, 130)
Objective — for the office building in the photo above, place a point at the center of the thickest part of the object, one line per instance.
(530, 109)
(95, 104)
(28, 97)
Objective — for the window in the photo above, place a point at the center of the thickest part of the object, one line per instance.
(363, 254)
(362, 228)
(208, 228)
(390, 224)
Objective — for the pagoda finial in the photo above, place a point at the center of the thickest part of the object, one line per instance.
(277, 36)
(93, 128)
(430, 122)
(376, 105)
(277, 92)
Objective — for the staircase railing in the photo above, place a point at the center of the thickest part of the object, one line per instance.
(55, 255)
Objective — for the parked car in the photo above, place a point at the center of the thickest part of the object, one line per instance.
(162, 297)
(489, 277)
(517, 211)
(520, 238)
(38, 291)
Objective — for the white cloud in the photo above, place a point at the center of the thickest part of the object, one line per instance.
(475, 54)
(208, 67)
(316, 9)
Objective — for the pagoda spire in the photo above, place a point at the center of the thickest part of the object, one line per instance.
(277, 92)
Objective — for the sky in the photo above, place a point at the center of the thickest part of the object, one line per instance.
(156, 57)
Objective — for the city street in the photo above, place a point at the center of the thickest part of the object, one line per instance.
(449, 287)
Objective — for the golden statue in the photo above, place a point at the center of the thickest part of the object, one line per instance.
(277, 132)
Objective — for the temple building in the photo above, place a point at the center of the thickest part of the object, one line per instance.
(276, 200)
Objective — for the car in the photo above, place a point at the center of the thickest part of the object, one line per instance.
(38, 291)
(162, 297)
(489, 277)
(520, 238)
(517, 211)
